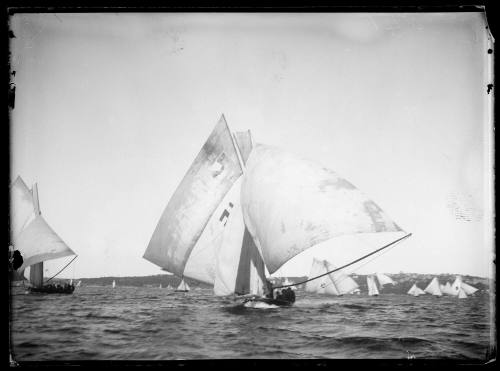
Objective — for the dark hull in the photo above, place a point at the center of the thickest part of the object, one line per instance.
(52, 290)
(278, 302)
(181, 291)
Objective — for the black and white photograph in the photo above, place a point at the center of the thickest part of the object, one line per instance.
(251, 185)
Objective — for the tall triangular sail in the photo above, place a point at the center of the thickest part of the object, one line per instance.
(200, 192)
(433, 288)
(456, 285)
(372, 286)
(323, 285)
(290, 204)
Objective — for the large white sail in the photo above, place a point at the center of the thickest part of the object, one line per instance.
(38, 242)
(200, 192)
(455, 286)
(433, 288)
(384, 279)
(343, 283)
(290, 204)
(447, 290)
(372, 286)
(468, 289)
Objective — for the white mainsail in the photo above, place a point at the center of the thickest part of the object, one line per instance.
(183, 286)
(433, 288)
(113, 284)
(384, 279)
(343, 283)
(291, 204)
(200, 192)
(416, 291)
(372, 286)
(30, 233)
(323, 285)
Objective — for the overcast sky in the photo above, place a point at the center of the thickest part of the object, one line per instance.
(111, 110)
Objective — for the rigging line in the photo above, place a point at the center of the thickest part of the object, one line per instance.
(61, 269)
(346, 265)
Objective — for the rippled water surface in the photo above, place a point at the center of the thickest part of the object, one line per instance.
(131, 323)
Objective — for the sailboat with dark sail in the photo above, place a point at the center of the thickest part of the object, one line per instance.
(36, 241)
(243, 210)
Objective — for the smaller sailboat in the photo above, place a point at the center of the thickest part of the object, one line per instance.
(462, 294)
(468, 289)
(461, 289)
(183, 287)
(372, 286)
(160, 286)
(169, 287)
(79, 283)
(113, 284)
(384, 279)
(433, 288)
(447, 289)
(415, 290)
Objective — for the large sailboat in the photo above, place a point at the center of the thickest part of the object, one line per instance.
(462, 289)
(243, 210)
(336, 283)
(32, 236)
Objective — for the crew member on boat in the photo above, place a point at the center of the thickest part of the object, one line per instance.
(16, 259)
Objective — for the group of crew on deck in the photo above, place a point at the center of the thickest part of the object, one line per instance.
(283, 295)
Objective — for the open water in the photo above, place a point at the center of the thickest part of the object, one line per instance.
(132, 323)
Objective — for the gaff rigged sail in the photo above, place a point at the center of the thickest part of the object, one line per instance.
(291, 204)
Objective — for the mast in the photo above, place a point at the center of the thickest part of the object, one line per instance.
(36, 270)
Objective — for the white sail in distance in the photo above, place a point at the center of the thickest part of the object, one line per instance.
(190, 208)
(384, 279)
(343, 283)
(433, 288)
(323, 285)
(461, 294)
(416, 291)
(456, 285)
(291, 204)
(372, 286)
(183, 286)
(113, 284)
(447, 290)
(468, 289)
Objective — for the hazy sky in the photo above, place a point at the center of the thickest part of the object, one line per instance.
(111, 110)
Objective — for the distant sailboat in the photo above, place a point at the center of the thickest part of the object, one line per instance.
(433, 288)
(34, 238)
(384, 279)
(113, 284)
(447, 289)
(79, 283)
(416, 291)
(169, 287)
(228, 220)
(160, 286)
(343, 283)
(324, 285)
(459, 286)
(372, 286)
(183, 287)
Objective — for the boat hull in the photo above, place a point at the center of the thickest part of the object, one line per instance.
(181, 291)
(52, 290)
(268, 301)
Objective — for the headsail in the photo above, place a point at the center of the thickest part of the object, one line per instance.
(209, 178)
(291, 204)
(384, 279)
(22, 210)
(433, 288)
(372, 286)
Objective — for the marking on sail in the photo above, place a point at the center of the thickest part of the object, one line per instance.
(218, 167)
(225, 215)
